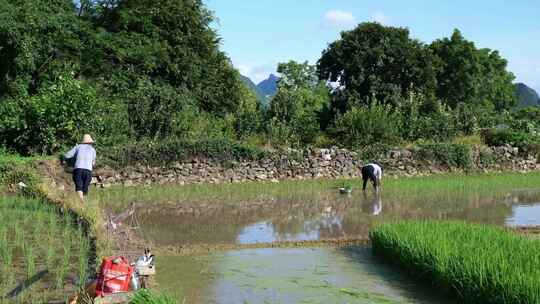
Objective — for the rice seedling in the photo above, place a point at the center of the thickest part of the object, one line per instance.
(19, 235)
(64, 264)
(29, 261)
(120, 197)
(83, 258)
(144, 296)
(49, 256)
(37, 243)
(6, 252)
(474, 263)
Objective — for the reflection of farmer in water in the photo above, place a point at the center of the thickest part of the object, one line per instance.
(373, 205)
(372, 172)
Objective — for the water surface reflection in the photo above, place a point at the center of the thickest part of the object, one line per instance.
(328, 215)
(295, 275)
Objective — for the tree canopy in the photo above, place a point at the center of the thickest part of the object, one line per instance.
(383, 63)
(152, 59)
(469, 75)
(151, 71)
(376, 61)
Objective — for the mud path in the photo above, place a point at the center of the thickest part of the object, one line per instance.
(209, 248)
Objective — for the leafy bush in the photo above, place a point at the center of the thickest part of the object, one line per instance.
(55, 117)
(465, 119)
(364, 125)
(281, 134)
(438, 125)
(500, 137)
(15, 169)
(425, 119)
(193, 124)
(171, 150)
(486, 156)
(531, 114)
(453, 155)
(374, 152)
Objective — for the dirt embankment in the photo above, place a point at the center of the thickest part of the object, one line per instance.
(111, 233)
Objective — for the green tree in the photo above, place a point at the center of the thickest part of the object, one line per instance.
(38, 40)
(468, 75)
(54, 117)
(167, 42)
(376, 61)
(295, 110)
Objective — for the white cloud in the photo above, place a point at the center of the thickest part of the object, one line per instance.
(338, 20)
(256, 72)
(380, 17)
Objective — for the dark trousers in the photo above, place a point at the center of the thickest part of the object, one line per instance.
(368, 172)
(82, 179)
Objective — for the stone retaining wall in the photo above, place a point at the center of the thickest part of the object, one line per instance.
(311, 164)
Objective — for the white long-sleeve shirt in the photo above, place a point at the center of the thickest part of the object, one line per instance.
(85, 156)
(377, 170)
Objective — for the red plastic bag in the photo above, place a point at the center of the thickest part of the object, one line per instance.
(114, 276)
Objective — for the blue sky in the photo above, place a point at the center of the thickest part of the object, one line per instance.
(257, 34)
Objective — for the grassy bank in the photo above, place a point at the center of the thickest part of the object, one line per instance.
(440, 185)
(44, 254)
(475, 263)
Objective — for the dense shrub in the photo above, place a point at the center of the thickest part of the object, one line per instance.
(167, 151)
(15, 169)
(531, 114)
(364, 125)
(193, 124)
(425, 119)
(438, 125)
(58, 115)
(295, 111)
(500, 137)
(374, 152)
(453, 155)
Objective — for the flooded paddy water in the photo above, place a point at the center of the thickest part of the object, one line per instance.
(237, 234)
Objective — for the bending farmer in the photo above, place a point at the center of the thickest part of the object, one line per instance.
(85, 159)
(372, 172)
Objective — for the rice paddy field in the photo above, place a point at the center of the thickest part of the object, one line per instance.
(474, 263)
(436, 186)
(44, 254)
(283, 242)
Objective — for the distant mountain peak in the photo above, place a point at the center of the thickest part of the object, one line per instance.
(526, 96)
(273, 77)
(269, 86)
(263, 100)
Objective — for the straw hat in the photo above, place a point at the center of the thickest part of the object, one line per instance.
(87, 139)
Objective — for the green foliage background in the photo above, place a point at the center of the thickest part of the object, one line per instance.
(141, 73)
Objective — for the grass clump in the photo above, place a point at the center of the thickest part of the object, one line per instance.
(144, 296)
(475, 263)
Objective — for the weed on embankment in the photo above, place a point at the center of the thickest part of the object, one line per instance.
(43, 254)
(475, 263)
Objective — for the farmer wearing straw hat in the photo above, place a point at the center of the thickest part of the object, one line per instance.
(85, 159)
